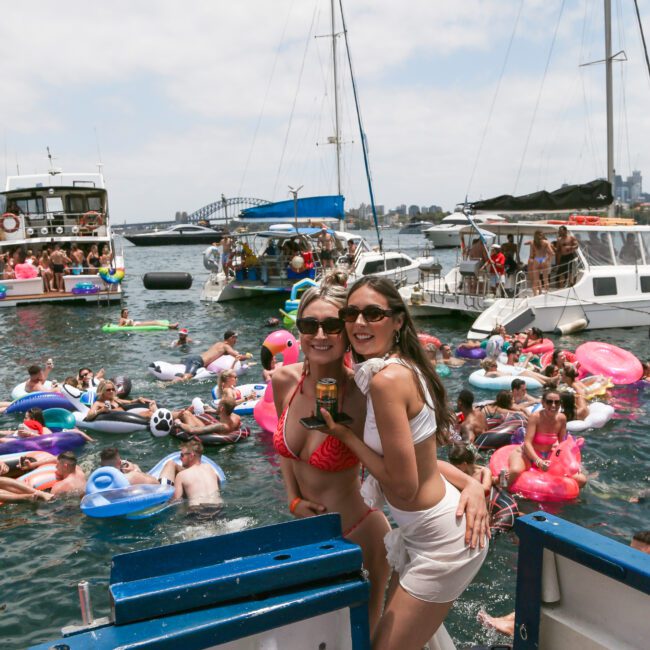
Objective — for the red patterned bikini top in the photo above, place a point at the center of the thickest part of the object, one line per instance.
(330, 456)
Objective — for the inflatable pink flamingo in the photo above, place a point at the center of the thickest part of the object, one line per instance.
(278, 342)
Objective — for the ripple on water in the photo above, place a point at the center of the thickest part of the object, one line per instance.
(48, 549)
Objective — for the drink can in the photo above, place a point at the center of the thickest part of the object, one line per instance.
(503, 479)
(108, 405)
(326, 396)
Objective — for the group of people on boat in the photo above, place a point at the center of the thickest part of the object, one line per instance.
(549, 263)
(52, 262)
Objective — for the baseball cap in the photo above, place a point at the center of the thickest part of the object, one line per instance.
(183, 330)
(495, 246)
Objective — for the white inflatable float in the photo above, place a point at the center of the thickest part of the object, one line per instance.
(166, 371)
(599, 415)
(479, 379)
(254, 391)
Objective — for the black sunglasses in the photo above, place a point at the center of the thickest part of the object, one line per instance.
(310, 325)
(370, 313)
(550, 402)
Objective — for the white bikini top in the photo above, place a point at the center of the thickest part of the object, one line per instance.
(422, 426)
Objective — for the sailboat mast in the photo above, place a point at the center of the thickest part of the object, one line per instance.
(610, 103)
(337, 133)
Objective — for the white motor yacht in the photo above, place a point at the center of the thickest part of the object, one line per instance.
(609, 282)
(39, 212)
(415, 227)
(446, 233)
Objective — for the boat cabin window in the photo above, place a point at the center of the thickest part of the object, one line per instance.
(645, 238)
(376, 266)
(596, 247)
(604, 286)
(645, 283)
(32, 205)
(54, 204)
(626, 248)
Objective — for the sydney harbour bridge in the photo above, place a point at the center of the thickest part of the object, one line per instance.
(224, 209)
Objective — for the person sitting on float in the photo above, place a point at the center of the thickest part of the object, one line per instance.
(227, 388)
(559, 359)
(491, 370)
(193, 424)
(501, 409)
(462, 457)
(110, 457)
(38, 377)
(573, 406)
(86, 378)
(125, 321)
(471, 422)
(646, 371)
(447, 358)
(521, 400)
(107, 401)
(32, 426)
(584, 388)
(546, 428)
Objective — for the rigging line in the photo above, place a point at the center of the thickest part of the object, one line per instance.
(539, 96)
(295, 100)
(494, 98)
(623, 133)
(645, 47)
(362, 134)
(266, 95)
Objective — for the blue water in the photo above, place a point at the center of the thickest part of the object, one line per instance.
(49, 548)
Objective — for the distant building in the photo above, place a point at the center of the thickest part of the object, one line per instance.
(414, 210)
(401, 209)
(629, 190)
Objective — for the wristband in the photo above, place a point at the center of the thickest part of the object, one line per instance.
(294, 504)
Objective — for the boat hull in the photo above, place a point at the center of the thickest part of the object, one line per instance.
(145, 239)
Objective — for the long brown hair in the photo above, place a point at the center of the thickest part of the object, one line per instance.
(410, 349)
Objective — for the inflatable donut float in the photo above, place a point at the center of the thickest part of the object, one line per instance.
(545, 345)
(605, 359)
(556, 484)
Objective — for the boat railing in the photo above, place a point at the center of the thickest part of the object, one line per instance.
(62, 224)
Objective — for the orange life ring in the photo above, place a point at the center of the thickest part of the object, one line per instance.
(577, 218)
(592, 221)
(5, 217)
(91, 220)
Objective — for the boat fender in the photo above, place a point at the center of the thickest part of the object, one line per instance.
(571, 327)
(166, 280)
(161, 423)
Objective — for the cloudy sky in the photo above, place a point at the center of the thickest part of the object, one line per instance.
(184, 101)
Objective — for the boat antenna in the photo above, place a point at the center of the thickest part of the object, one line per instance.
(294, 193)
(364, 143)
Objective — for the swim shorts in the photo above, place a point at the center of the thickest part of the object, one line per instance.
(326, 255)
(58, 268)
(193, 363)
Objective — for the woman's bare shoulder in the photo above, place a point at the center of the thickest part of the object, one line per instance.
(286, 376)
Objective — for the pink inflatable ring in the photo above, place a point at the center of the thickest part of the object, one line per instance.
(545, 345)
(609, 360)
(552, 486)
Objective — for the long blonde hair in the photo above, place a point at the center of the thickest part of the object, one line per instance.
(223, 378)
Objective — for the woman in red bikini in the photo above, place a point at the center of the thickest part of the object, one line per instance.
(546, 428)
(320, 473)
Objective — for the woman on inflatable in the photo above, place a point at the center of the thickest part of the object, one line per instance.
(33, 425)
(501, 410)
(13, 491)
(107, 401)
(125, 321)
(320, 473)
(573, 406)
(546, 428)
(491, 370)
(227, 388)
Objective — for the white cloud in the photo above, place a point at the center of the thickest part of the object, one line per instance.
(175, 91)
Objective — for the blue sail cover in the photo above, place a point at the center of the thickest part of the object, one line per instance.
(311, 207)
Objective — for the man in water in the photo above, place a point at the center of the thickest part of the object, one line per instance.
(183, 340)
(472, 420)
(110, 457)
(565, 250)
(227, 421)
(195, 361)
(71, 480)
(37, 377)
(521, 400)
(193, 480)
